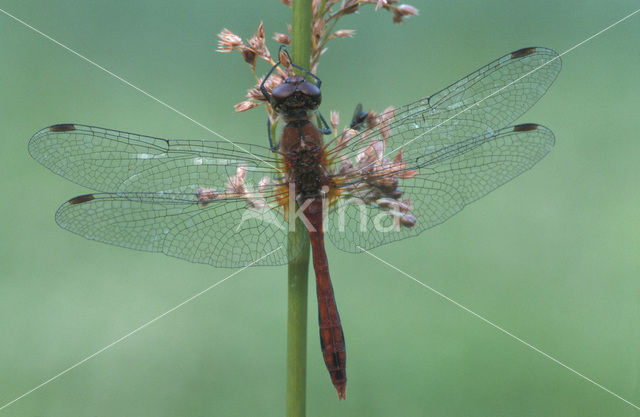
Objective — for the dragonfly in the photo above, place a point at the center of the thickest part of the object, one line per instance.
(383, 179)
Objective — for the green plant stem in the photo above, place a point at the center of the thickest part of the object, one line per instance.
(297, 323)
(298, 273)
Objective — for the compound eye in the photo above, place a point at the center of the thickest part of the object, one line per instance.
(282, 92)
(309, 89)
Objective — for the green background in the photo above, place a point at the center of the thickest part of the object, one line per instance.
(551, 257)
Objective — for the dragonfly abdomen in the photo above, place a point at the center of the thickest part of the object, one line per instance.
(331, 335)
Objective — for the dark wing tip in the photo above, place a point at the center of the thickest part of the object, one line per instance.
(522, 52)
(525, 127)
(81, 199)
(63, 127)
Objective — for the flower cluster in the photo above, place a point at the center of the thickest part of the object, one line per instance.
(236, 187)
(326, 14)
(377, 177)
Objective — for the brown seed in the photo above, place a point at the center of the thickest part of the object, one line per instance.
(249, 56)
(283, 56)
(282, 38)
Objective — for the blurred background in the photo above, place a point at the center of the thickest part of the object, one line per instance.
(552, 256)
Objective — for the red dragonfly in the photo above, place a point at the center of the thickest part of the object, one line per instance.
(226, 204)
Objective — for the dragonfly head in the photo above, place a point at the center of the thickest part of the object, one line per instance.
(296, 97)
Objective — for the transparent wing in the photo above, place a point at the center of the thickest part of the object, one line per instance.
(488, 99)
(223, 232)
(110, 160)
(204, 201)
(446, 180)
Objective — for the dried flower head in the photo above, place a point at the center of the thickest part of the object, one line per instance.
(228, 41)
(249, 56)
(258, 44)
(383, 122)
(380, 3)
(344, 33)
(283, 56)
(272, 82)
(235, 185)
(206, 195)
(345, 137)
(326, 13)
(254, 93)
(282, 38)
(263, 185)
(349, 6)
(334, 119)
(372, 119)
(407, 10)
(245, 105)
(402, 11)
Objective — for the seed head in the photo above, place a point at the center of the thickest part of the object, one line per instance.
(334, 119)
(345, 137)
(372, 119)
(257, 43)
(384, 122)
(283, 56)
(228, 41)
(318, 29)
(407, 10)
(272, 82)
(254, 93)
(235, 185)
(344, 33)
(408, 220)
(263, 185)
(349, 6)
(245, 105)
(249, 56)
(206, 195)
(282, 38)
(402, 11)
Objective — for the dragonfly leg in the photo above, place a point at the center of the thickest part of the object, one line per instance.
(324, 128)
(271, 145)
(310, 74)
(263, 89)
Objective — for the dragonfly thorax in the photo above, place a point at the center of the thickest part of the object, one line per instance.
(301, 143)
